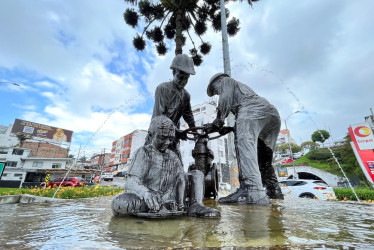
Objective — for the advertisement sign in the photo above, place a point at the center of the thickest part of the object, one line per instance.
(364, 157)
(363, 135)
(282, 172)
(41, 131)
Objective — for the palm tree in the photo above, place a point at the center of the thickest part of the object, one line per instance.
(175, 19)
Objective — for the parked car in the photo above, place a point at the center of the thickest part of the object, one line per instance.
(224, 186)
(96, 179)
(297, 155)
(287, 161)
(68, 182)
(313, 189)
(107, 177)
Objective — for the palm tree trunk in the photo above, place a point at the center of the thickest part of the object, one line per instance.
(178, 33)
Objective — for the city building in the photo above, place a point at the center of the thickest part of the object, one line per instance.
(22, 169)
(284, 137)
(123, 150)
(99, 161)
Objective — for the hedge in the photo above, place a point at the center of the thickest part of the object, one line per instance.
(364, 194)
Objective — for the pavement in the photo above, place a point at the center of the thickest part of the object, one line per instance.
(117, 182)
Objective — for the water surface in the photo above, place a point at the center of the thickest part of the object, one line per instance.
(88, 223)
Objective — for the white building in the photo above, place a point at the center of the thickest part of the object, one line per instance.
(6, 139)
(20, 168)
(203, 114)
(284, 137)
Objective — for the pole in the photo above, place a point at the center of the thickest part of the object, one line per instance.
(225, 41)
(289, 144)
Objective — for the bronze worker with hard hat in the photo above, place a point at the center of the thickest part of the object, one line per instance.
(256, 130)
(173, 101)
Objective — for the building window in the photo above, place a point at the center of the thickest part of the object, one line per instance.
(56, 165)
(37, 164)
(203, 108)
(18, 175)
(219, 142)
(11, 164)
(5, 175)
(221, 153)
(3, 151)
(17, 151)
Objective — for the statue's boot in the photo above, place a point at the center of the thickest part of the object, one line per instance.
(268, 176)
(197, 208)
(248, 195)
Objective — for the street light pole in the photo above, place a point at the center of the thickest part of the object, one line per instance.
(289, 143)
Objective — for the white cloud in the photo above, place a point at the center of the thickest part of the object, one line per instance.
(76, 64)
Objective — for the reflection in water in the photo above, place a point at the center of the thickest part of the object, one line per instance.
(89, 223)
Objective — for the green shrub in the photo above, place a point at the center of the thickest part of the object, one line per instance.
(319, 155)
(365, 194)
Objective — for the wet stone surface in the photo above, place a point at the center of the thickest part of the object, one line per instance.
(89, 223)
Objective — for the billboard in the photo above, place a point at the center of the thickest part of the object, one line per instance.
(360, 134)
(41, 131)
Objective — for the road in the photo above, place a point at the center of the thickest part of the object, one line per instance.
(117, 182)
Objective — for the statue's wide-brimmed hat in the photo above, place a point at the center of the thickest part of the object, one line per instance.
(209, 89)
(184, 63)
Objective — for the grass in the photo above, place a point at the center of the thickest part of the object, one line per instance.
(64, 192)
(322, 165)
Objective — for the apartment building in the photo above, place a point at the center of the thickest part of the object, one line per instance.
(123, 150)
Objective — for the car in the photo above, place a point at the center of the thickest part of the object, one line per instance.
(107, 176)
(287, 161)
(68, 182)
(224, 186)
(302, 188)
(297, 155)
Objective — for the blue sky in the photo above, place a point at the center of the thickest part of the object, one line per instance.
(75, 64)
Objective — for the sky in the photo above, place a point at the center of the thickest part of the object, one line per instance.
(77, 69)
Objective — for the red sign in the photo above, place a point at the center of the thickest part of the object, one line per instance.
(42, 131)
(364, 157)
(364, 136)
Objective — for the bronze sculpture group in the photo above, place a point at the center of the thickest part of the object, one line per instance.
(156, 183)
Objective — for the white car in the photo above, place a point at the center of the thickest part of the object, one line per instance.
(107, 177)
(313, 189)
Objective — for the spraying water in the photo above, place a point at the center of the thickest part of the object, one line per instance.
(127, 101)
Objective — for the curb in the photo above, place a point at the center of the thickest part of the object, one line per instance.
(26, 198)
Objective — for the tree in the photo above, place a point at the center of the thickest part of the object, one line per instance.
(285, 148)
(22, 138)
(309, 144)
(83, 159)
(320, 135)
(175, 17)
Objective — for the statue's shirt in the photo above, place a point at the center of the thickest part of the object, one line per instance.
(240, 99)
(156, 171)
(174, 103)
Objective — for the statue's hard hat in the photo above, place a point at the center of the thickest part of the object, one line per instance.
(184, 63)
(209, 89)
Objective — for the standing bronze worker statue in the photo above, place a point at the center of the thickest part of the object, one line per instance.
(172, 99)
(256, 130)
